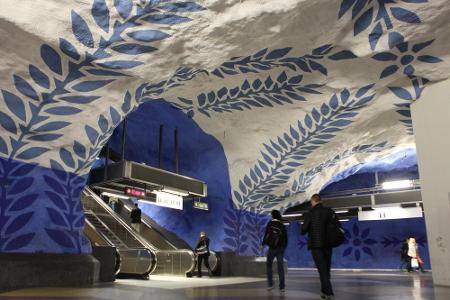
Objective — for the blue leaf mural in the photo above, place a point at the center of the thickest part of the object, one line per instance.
(39, 77)
(378, 15)
(68, 49)
(284, 161)
(182, 7)
(124, 7)
(149, 35)
(81, 30)
(25, 88)
(51, 58)
(100, 12)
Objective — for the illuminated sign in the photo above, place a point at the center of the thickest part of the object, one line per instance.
(134, 192)
(169, 200)
(390, 213)
(201, 205)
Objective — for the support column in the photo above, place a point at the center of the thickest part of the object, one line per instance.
(431, 121)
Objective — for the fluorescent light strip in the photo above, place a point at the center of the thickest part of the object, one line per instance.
(115, 195)
(399, 184)
(175, 191)
(292, 215)
(344, 220)
(341, 211)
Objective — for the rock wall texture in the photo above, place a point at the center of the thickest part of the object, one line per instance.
(295, 91)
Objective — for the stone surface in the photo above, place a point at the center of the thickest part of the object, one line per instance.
(20, 270)
(295, 91)
(107, 258)
(233, 265)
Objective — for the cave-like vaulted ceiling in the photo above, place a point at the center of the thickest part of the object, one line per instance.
(295, 90)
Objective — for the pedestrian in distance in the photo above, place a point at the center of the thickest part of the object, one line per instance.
(202, 252)
(135, 217)
(324, 233)
(414, 260)
(276, 239)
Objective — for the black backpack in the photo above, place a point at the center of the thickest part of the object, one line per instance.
(335, 233)
(273, 237)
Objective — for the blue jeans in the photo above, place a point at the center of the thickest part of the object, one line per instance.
(279, 255)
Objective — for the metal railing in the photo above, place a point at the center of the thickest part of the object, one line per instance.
(170, 259)
(136, 255)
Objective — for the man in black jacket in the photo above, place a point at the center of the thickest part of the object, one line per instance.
(276, 238)
(202, 251)
(135, 217)
(315, 224)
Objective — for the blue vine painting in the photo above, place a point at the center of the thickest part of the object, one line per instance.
(60, 105)
(43, 106)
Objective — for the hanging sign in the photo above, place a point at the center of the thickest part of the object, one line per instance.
(169, 200)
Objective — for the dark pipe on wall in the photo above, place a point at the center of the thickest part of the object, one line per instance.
(105, 174)
(160, 151)
(177, 157)
(124, 129)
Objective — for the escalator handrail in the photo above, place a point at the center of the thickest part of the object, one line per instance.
(101, 233)
(147, 223)
(175, 250)
(96, 198)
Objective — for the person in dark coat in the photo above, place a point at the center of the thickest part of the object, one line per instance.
(276, 238)
(202, 251)
(404, 254)
(135, 217)
(315, 225)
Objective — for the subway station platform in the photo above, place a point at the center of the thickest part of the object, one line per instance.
(301, 284)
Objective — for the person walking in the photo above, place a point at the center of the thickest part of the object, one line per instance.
(202, 251)
(316, 224)
(404, 258)
(135, 217)
(276, 238)
(414, 260)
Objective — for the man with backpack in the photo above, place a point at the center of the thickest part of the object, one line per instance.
(324, 233)
(276, 238)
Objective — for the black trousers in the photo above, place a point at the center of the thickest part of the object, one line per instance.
(322, 259)
(203, 258)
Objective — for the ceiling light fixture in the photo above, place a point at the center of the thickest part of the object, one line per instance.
(115, 195)
(175, 191)
(292, 215)
(398, 184)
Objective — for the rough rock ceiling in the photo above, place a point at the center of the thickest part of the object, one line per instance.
(296, 91)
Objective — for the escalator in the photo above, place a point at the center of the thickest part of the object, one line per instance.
(105, 228)
(174, 255)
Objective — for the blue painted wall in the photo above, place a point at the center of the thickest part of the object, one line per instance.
(40, 209)
(370, 244)
(201, 157)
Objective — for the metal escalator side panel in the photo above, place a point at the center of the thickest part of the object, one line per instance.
(103, 230)
(147, 231)
(122, 225)
(176, 262)
(162, 239)
(137, 261)
(94, 236)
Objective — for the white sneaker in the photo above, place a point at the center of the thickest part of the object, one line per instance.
(269, 288)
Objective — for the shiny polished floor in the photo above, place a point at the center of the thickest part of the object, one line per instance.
(300, 285)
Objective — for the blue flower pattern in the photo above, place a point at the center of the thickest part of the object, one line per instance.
(40, 108)
(358, 242)
(379, 14)
(403, 58)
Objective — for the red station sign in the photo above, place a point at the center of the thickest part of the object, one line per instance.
(130, 191)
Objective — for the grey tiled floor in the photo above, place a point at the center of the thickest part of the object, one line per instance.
(300, 285)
